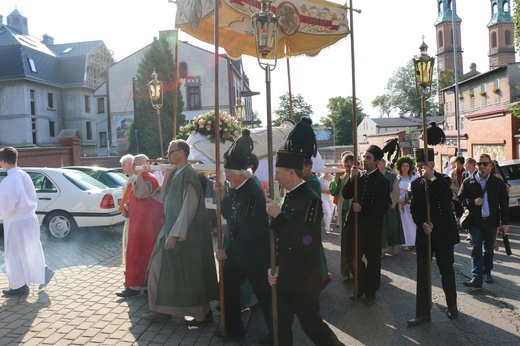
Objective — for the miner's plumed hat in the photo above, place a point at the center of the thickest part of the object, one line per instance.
(238, 156)
(435, 134)
(419, 155)
(300, 144)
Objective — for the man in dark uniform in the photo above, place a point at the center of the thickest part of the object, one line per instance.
(372, 203)
(297, 225)
(443, 232)
(247, 256)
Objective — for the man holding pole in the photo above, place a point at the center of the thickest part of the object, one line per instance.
(443, 232)
(247, 256)
(372, 203)
(297, 225)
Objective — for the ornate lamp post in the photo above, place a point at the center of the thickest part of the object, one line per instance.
(239, 111)
(265, 27)
(423, 78)
(155, 88)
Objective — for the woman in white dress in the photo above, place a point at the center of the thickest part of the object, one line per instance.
(405, 167)
(326, 198)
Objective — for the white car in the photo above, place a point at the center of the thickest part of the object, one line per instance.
(68, 199)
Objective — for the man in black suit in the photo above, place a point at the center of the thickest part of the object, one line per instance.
(297, 225)
(443, 232)
(485, 195)
(372, 203)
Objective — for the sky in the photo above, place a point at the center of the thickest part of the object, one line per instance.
(387, 34)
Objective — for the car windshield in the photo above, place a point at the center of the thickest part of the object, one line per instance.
(118, 178)
(83, 181)
(511, 172)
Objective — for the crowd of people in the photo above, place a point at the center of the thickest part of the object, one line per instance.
(168, 250)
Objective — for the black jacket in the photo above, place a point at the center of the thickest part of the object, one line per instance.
(298, 232)
(497, 196)
(444, 224)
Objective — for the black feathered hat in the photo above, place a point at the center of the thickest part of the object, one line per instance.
(238, 156)
(300, 144)
(435, 134)
(391, 146)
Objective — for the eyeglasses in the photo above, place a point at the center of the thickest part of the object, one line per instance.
(485, 164)
(172, 151)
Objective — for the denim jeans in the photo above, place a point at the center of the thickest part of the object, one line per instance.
(482, 236)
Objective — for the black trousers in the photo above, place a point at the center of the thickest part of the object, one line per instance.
(369, 277)
(234, 277)
(306, 306)
(444, 258)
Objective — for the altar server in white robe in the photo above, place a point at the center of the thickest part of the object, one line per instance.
(24, 259)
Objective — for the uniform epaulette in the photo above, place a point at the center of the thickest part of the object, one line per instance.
(311, 214)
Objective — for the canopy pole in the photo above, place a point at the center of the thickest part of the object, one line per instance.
(291, 112)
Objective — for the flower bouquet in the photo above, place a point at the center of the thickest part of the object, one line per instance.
(205, 125)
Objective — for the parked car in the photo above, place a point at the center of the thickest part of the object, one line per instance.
(511, 171)
(109, 176)
(68, 199)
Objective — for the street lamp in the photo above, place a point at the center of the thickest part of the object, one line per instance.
(239, 110)
(265, 27)
(423, 78)
(155, 88)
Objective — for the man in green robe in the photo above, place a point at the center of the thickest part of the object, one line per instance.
(182, 278)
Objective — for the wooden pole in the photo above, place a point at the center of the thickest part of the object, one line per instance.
(218, 173)
(355, 147)
(175, 84)
(291, 111)
(427, 196)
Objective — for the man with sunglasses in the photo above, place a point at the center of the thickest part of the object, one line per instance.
(485, 195)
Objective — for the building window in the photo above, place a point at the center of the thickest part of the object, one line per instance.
(496, 84)
(101, 105)
(183, 69)
(89, 130)
(194, 97)
(50, 100)
(33, 126)
(87, 104)
(494, 40)
(52, 129)
(102, 139)
(508, 37)
(441, 41)
(451, 36)
(31, 64)
(33, 102)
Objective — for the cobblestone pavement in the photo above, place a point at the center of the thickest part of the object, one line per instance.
(79, 307)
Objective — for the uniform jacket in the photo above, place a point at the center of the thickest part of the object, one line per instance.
(497, 196)
(374, 197)
(298, 229)
(244, 210)
(444, 224)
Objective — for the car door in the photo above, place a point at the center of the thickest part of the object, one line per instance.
(46, 191)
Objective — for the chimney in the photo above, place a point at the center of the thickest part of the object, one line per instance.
(473, 67)
(48, 40)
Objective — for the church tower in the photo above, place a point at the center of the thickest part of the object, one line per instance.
(501, 34)
(443, 27)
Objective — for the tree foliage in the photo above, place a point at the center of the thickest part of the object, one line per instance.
(300, 109)
(401, 94)
(383, 103)
(339, 119)
(144, 124)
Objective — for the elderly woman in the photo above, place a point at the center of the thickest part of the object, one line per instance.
(405, 167)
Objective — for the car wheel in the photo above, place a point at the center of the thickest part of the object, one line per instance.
(60, 224)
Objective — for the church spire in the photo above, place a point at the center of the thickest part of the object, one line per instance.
(501, 34)
(445, 46)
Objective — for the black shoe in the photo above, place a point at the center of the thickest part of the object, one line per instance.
(194, 322)
(326, 282)
(473, 283)
(229, 337)
(348, 280)
(360, 294)
(264, 340)
(128, 292)
(452, 313)
(49, 273)
(156, 316)
(488, 278)
(418, 320)
(16, 292)
(369, 301)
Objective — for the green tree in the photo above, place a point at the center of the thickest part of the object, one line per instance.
(339, 119)
(382, 102)
(300, 109)
(401, 92)
(446, 78)
(160, 58)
